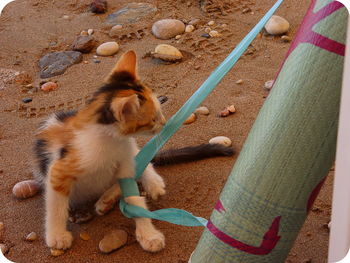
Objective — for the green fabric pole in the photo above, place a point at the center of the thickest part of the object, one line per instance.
(288, 152)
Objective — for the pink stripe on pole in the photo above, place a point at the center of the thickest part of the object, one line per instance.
(268, 243)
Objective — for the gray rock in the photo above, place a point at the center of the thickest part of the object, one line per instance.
(56, 63)
(131, 13)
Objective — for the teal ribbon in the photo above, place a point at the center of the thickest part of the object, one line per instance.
(147, 153)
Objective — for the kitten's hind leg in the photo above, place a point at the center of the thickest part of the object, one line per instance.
(108, 200)
(147, 235)
(152, 182)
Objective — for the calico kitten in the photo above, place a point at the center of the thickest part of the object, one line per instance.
(81, 155)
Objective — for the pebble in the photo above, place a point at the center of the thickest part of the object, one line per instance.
(202, 110)
(214, 33)
(131, 13)
(84, 236)
(162, 99)
(191, 119)
(56, 63)
(211, 23)
(207, 29)
(231, 108)
(49, 86)
(240, 81)
(268, 84)
(115, 30)
(246, 10)
(90, 31)
(167, 53)
(221, 140)
(84, 44)
(98, 6)
(205, 35)
(27, 100)
(286, 39)
(224, 25)
(178, 37)
(96, 61)
(113, 241)
(56, 252)
(189, 28)
(4, 249)
(277, 25)
(84, 33)
(65, 17)
(26, 189)
(107, 49)
(32, 236)
(168, 28)
(224, 113)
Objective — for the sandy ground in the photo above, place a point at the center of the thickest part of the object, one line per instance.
(30, 29)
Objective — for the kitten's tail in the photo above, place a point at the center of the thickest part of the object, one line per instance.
(191, 153)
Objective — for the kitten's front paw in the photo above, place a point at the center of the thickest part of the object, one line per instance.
(154, 186)
(151, 240)
(59, 240)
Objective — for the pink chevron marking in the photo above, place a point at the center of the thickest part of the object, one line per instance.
(219, 207)
(268, 243)
(307, 35)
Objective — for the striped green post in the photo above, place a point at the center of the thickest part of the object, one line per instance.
(288, 152)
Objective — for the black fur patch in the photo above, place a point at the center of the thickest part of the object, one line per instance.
(191, 153)
(105, 113)
(41, 154)
(63, 152)
(63, 115)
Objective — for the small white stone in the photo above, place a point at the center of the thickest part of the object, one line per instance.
(231, 108)
(224, 25)
(240, 81)
(207, 29)
(277, 25)
(32, 236)
(221, 140)
(107, 49)
(178, 37)
(65, 17)
(268, 84)
(90, 31)
(214, 33)
(189, 29)
(167, 52)
(211, 23)
(191, 119)
(202, 110)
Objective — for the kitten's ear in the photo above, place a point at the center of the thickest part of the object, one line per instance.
(125, 107)
(126, 63)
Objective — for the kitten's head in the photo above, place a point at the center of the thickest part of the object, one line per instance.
(126, 102)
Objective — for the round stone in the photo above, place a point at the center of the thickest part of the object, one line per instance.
(268, 84)
(214, 33)
(115, 30)
(211, 23)
(90, 31)
(113, 241)
(189, 28)
(168, 28)
(167, 53)
(49, 86)
(84, 236)
(32, 236)
(277, 25)
(221, 140)
(107, 49)
(240, 81)
(178, 37)
(56, 252)
(26, 189)
(202, 110)
(191, 119)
